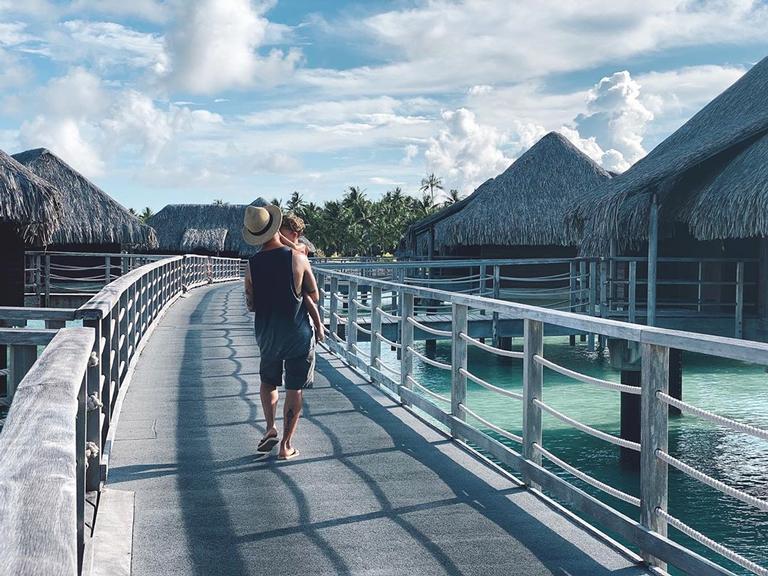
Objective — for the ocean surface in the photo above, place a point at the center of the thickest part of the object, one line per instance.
(733, 389)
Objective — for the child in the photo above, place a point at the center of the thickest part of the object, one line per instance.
(311, 307)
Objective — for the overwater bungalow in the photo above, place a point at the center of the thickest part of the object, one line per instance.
(520, 213)
(209, 229)
(30, 213)
(702, 195)
(91, 220)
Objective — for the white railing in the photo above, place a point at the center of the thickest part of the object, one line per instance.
(610, 287)
(397, 302)
(56, 442)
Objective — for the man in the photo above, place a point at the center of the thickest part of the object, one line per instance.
(276, 280)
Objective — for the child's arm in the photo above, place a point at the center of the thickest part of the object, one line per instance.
(315, 315)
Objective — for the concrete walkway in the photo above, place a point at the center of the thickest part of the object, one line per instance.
(375, 491)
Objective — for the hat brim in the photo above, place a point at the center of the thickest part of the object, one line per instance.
(266, 236)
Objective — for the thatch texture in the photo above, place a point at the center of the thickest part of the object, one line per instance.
(172, 223)
(415, 240)
(89, 215)
(525, 205)
(694, 160)
(28, 203)
(208, 240)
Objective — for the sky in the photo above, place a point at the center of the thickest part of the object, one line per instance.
(182, 101)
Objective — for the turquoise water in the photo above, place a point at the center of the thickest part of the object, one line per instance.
(732, 389)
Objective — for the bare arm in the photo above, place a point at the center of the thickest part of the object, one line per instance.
(308, 282)
(248, 288)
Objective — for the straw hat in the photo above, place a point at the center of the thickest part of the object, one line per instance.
(261, 224)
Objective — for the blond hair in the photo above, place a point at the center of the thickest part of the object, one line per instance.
(293, 222)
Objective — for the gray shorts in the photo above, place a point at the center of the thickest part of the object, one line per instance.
(299, 371)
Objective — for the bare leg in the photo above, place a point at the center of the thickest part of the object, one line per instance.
(291, 412)
(269, 398)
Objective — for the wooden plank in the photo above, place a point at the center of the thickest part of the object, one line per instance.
(38, 510)
(653, 437)
(533, 376)
(26, 336)
(22, 313)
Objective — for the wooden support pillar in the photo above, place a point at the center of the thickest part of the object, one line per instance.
(675, 378)
(739, 328)
(630, 419)
(591, 303)
(458, 363)
(375, 326)
(496, 295)
(633, 291)
(762, 280)
(653, 253)
(431, 348)
(582, 289)
(572, 296)
(406, 339)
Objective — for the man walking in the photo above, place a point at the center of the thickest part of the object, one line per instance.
(276, 280)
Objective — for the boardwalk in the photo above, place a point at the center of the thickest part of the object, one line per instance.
(375, 491)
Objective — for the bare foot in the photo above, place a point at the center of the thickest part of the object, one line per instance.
(287, 452)
(268, 441)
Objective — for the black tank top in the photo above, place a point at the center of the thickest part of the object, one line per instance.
(282, 325)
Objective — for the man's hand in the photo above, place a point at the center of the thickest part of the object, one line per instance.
(320, 335)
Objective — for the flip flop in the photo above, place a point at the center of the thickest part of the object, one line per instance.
(267, 444)
(289, 456)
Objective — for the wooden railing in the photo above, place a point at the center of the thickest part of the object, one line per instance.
(58, 435)
(370, 301)
(606, 287)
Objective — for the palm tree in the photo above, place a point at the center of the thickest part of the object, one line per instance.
(453, 197)
(146, 214)
(430, 184)
(277, 202)
(296, 203)
(132, 212)
(220, 202)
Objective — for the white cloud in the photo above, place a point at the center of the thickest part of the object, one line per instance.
(14, 33)
(441, 45)
(410, 152)
(109, 45)
(465, 153)
(480, 89)
(215, 46)
(65, 137)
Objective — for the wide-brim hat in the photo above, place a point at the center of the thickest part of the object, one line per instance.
(260, 224)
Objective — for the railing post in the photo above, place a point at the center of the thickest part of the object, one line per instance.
(496, 294)
(739, 299)
(334, 310)
(458, 362)
(572, 307)
(107, 270)
(352, 318)
(375, 326)
(603, 297)
(80, 470)
(47, 280)
(653, 436)
(592, 298)
(38, 278)
(699, 285)
(406, 338)
(96, 370)
(482, 279)
(321, 296)
(633, 291)
(532, 390)
(21, 358)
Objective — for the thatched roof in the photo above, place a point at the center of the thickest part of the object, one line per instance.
(526, 204)
(28, 202)
(209, 240)
(174, 221)
(713, 167)
(414, 239)
(89, 215)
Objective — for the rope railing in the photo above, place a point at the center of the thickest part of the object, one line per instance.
(480, 382)
(587, 429)
(428, 329)
(488, 348)
(584, 477)
(712, 482)
(724, 551)
(427, 391)
(585, 378)
(491, 425)
(426, 360)
(712, 417)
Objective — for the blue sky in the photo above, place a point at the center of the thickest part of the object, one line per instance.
(188, 101)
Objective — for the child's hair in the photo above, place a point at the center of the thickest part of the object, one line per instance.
(293, 222)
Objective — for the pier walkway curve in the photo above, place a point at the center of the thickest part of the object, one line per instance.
(374, 491)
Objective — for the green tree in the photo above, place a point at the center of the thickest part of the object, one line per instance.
(296, 203)
(430, 184)
(277, 202)
(146, 214)
(453, 197)
(220, 202)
